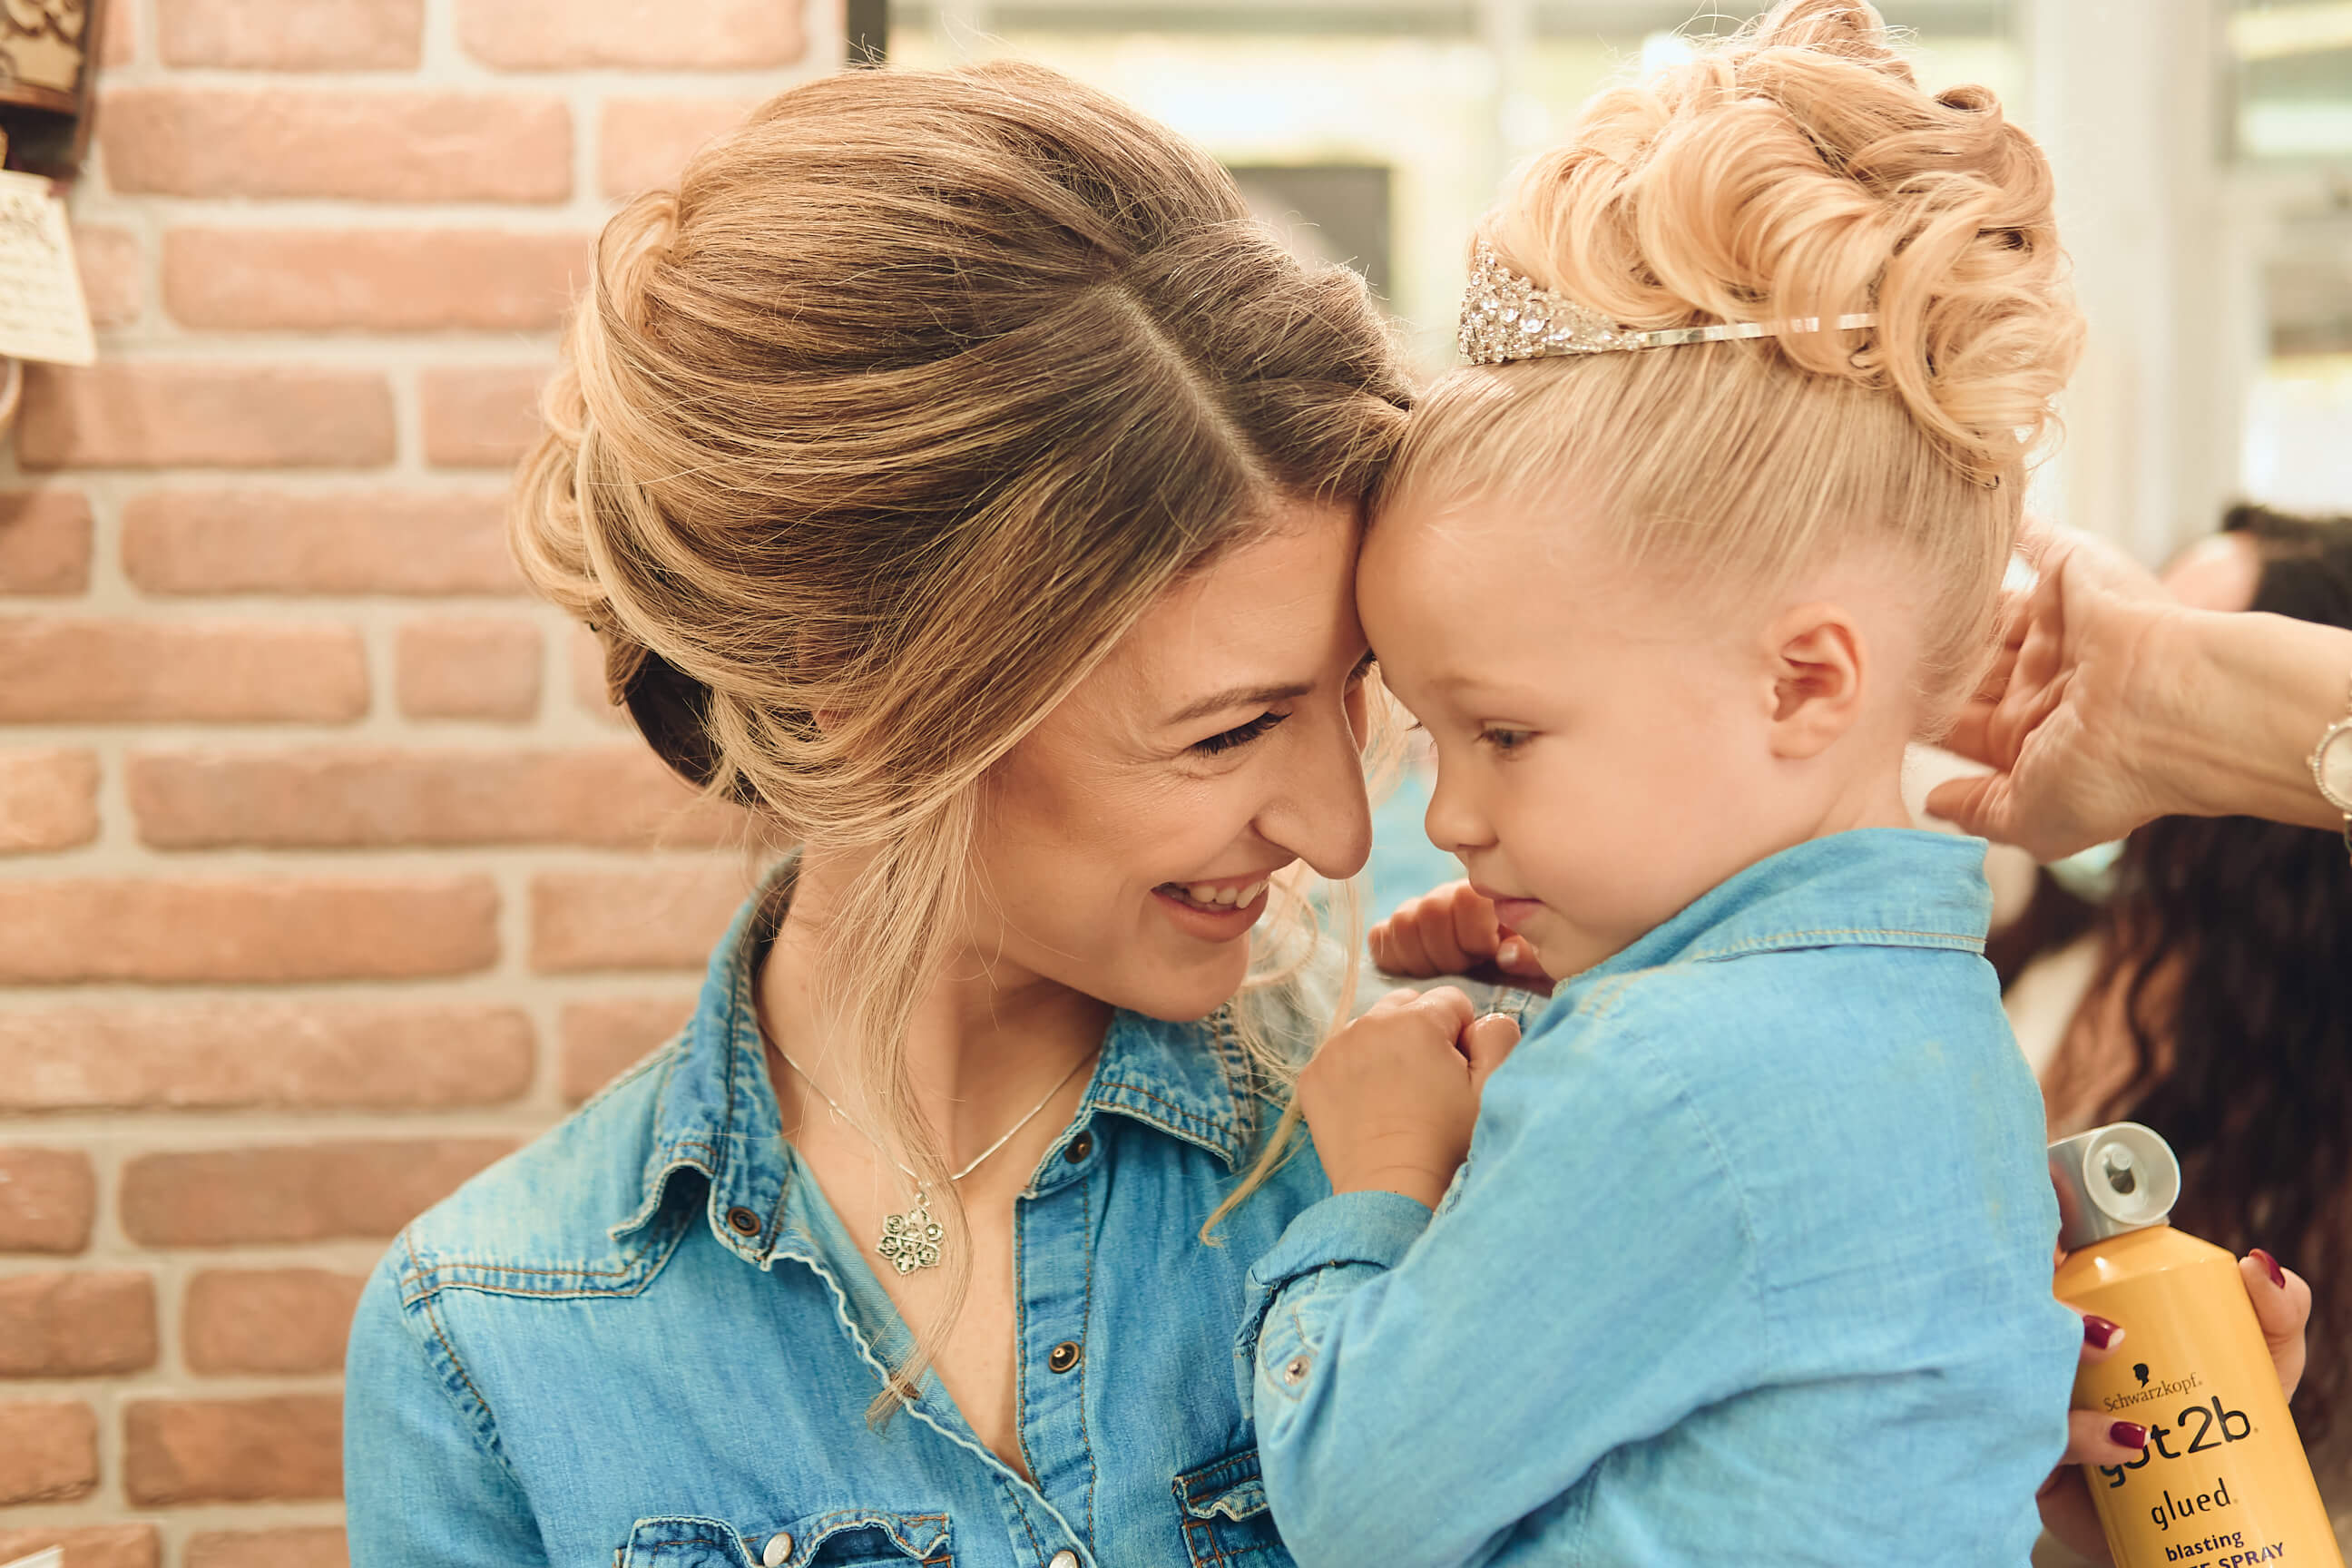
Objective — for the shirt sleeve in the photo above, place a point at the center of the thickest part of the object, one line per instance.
(423, 1482)
(1589, 1281)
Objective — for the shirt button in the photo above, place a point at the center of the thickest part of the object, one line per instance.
(743, 1222)
(1064, 1559)
(778, 1550)
(1062, 1356)
(1295, 1372)
(1078, 1148)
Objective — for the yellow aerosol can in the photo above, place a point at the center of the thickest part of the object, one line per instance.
(2223, 1482)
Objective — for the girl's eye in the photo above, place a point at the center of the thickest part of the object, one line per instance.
(1504, 740)
(1363, 669)
(1242, 735)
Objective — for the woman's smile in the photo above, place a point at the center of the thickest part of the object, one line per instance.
(1215, 908)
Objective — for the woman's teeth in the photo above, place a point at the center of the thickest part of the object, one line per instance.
(1209, 896)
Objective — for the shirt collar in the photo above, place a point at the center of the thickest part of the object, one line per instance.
(718, 1112)
(1872, 887)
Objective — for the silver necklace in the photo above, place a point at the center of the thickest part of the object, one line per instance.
(911, 1240)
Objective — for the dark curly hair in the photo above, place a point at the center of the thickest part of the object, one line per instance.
(2231, 941)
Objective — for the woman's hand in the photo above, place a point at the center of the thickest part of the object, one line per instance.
(1392, 1098)
(2282, 1305)
(2111, 705)
(2064, 717)
(1453, 930)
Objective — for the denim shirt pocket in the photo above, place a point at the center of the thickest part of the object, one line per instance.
(838, 1538)
(1227, 1523)
(683, 1542)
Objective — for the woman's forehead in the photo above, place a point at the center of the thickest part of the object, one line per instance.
(1268, 613)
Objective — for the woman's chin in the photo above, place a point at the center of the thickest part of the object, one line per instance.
(1187, 986)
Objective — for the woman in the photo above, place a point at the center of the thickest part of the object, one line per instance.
(2207, 989)
(920, 394)
(958, 476)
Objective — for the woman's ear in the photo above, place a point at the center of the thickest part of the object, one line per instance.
(1814, 654)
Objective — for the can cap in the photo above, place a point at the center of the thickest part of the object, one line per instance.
(2112, 1179)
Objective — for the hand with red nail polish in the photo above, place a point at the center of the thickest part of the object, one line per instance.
(2283, 1306)
(2092, 1438)
(2282, 1303)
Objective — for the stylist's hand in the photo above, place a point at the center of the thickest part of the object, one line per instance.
(2068, 718)
(2283, 1306)
(1452, 929)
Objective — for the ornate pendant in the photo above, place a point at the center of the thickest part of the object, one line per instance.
(911, 1240)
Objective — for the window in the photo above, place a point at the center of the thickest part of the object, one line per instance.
(1376, 131)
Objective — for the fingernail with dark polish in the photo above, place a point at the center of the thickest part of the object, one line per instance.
(2099, 1333)
(2129, 1434)
(2278, 1275)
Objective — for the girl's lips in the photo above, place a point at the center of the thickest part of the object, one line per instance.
(1515, 912)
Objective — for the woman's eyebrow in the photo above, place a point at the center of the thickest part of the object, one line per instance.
(1239, 697)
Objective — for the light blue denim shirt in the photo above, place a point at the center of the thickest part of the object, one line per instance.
(646, 1340)
(1751, 1262)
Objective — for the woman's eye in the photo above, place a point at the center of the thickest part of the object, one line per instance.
(1241, 735)
(1363, 669)
(1504, 740)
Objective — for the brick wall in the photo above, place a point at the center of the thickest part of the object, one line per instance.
(325, 877)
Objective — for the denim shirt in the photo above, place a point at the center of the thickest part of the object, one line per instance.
(645, 1339)
(1750, 1263)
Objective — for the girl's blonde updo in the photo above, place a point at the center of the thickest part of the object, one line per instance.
(878, 432)
(1795, 169)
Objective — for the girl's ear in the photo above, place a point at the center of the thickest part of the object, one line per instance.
(1815, 658)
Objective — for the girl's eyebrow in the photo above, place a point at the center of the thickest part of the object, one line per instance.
(1456, 684)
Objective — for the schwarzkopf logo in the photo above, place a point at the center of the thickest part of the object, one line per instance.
(2139, 1370)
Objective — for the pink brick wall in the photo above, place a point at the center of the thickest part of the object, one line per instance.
(325, 876)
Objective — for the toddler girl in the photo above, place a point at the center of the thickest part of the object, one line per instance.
(1750, 1261)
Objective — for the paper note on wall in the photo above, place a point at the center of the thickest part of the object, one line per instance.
(42, 313)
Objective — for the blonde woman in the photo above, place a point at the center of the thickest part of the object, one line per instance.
(958, 477)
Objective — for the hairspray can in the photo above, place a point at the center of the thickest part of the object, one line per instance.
(2223, 1481)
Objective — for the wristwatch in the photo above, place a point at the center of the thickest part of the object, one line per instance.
(2331, 769)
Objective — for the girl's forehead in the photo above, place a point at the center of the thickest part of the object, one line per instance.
(1427, 547)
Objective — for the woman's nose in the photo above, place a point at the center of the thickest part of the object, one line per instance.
(1320, 813)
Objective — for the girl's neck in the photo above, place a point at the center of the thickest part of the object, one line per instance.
(1873, 798)
(1869, 794)
(986, 1042)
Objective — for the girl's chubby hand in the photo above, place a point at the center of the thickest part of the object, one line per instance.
(2282, 1305)
(1452, 929)
(1391, 1098)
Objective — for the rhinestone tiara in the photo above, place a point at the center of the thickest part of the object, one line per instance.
(1504, 317)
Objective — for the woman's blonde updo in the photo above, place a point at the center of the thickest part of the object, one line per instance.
(875, 436)
(1795, 169)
